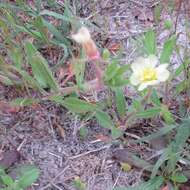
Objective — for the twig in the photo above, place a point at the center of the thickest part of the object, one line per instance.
(137, 3)
(21, 144)
(89, 152)
(56, 186)
(178, 10)
(52, 181)
(115, 183)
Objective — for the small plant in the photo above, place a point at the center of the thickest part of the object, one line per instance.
(79, 184)
(25, 176)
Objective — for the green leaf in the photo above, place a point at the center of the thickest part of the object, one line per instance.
(150, 113)
(161, 160)
(123, 68)
(104, 119)
(179, 178)
(183, 133)
(7, 180)
(106, 54)
(150, 42)
(29, 80)
(118, 82)
(79, 184)
(116, 132)
(168, 24)
(179, 70)
(120, 101)
(180, 87)
(168, 49)
(167, 115)
(154, 98)
(28, 175)
(16, 56)
(157, 12)
(40, 68)
(125, 166)
(38, 24)
(53, 30)
(24, 101)
(111, 70)
(5, 80)
(152, 184)
(78, 106)
(42, 73)
(83, 132)
(137, 104)
(163, 131)
(79, 69)
(56, 15)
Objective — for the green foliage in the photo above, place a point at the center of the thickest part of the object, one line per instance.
(168, 49)
(167, 115)
(120, 102)
(40, 68)
(106, 55)
(153, 184)
(179, 178)
(83, 132)
(24, 101)
(172, 153)
(79, 70)
(104, 119)
(26, 175)
(168, 24)
(79, 184)
(151, 112)
(114, 74)
(157, 12)
(78, 106)
(150, 42)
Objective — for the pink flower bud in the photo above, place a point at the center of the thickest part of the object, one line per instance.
(83, 37)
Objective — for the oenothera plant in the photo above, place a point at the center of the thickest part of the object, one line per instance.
(149, 72)
(29, 69)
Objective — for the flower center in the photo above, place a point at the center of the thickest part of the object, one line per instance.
(148, 74)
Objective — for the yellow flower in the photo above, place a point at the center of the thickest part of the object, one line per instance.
(147, 72)
(83, 37)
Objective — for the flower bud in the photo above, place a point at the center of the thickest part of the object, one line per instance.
(83, 37)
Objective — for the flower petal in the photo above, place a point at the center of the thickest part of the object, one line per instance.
(135, 79)
(138, 64)
(152, 60)
(91, 50)
(82, 36)
(153, 82)
(142, 86)
(162, 72)
(141, 63)
(149, 83)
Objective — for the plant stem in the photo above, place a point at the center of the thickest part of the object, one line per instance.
(143, 102)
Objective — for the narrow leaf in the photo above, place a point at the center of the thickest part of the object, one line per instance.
(150, 113)
(168, 49)
(56, 15)
(77, 106)
(104, 119)
(150, 42)
(28, 175)
(120, 101)
(40, 68)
